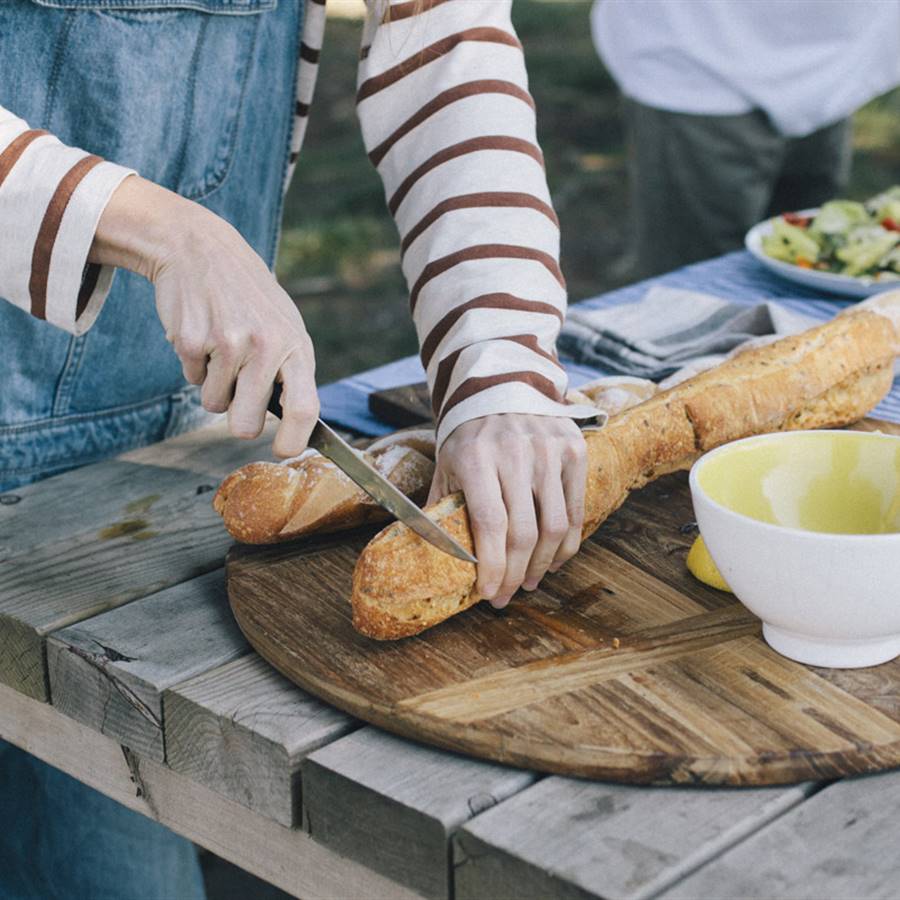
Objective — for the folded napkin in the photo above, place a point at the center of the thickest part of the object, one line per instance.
(670, 329)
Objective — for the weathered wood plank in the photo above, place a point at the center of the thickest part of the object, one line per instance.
(392, 805)
(568, 840)
(121, 489)
(110, 671)
(85, 574)
(242, 729)
(843, 842)
(287, 858)
(94, 538)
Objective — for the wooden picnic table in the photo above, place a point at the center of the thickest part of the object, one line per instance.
(120, 663)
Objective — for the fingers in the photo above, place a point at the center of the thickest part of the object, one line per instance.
(440, 487)
(488, 520)
(247, 412)
(553, 525)
(218, 386)
(574, 482)
(194, 369)
(299, 407)
(522, 530)
(524, 482)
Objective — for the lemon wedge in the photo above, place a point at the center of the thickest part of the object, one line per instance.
(700, 564)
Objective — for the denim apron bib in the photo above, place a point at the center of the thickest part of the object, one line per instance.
(196, 95)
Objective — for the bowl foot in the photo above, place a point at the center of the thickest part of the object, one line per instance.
(851, 654)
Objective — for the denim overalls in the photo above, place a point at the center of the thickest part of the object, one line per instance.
(196, 95)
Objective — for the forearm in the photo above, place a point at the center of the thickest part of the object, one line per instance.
(144, 224)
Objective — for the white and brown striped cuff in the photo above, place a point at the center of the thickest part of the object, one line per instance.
(51, 199)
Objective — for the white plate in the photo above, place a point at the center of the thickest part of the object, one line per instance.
(846, 285)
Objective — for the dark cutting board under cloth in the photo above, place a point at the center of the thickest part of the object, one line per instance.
(402, 406)
(621, 666)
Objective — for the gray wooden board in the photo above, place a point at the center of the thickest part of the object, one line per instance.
(392, 804)
(242, 729)
(100, 536)
(844, 842)
(570, 839)
(110, 671)
(286, 857)
(120, 489)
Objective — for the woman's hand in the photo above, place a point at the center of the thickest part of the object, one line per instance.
(233, 327)
(523, 478)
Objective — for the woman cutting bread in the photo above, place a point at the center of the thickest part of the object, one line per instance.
(191, 119)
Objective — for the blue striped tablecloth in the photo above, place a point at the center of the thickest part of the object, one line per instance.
(736, 276)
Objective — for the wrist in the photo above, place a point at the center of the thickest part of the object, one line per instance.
(144, 226)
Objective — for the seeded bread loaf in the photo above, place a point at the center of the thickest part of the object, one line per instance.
(828, 376)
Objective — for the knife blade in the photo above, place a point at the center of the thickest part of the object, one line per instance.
(332, 445)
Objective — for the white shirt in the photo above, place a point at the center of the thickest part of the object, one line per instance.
(806, 63)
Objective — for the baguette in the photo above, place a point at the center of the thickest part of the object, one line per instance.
(828, 376)
(266, 502)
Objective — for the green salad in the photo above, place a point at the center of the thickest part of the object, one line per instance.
(844, 238)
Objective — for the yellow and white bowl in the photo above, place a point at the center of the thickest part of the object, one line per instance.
(805, 528)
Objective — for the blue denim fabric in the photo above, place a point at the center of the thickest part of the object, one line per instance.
(63, 841)
(196, 95)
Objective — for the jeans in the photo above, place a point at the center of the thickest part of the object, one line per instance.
(64, 841)
(698, 183)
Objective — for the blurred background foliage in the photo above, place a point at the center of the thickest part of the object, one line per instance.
(338, 255)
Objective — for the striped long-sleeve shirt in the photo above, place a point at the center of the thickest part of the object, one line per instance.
(448, 121)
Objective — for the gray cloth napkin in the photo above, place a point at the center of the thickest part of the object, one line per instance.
(669, 329)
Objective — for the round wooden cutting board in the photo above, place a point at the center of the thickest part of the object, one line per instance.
(620, 667)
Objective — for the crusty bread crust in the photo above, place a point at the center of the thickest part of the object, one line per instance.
(266, 502)
(828, 376)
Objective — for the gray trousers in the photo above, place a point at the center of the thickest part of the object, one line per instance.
(698, 183)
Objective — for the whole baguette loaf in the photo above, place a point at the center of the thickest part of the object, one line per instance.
(828, 376)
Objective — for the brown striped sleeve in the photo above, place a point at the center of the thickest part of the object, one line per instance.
(49, 232)
(428, 55)
(448, 122)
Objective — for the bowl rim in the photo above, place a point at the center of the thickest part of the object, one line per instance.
(698, 490)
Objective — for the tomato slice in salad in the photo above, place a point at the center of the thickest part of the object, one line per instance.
(793, 218)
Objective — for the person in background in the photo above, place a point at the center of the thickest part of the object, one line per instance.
(190, 116)
(738, 109)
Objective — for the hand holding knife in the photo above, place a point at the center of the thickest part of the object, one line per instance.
(330, 444)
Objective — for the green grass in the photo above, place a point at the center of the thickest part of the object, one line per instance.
(339, 257)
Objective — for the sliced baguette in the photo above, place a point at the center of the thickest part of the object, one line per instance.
(266, 502)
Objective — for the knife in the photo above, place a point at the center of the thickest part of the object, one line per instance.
(332, 445)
